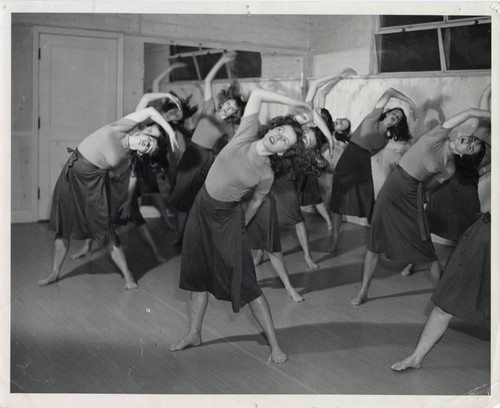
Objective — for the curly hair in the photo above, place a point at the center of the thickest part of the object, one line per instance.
(232, 92)
(297, 160)
(186, 109)
(399, 132)
(158, 161)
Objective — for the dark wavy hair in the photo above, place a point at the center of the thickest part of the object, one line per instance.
(158, 161)
(233, 91)
(321, 139)
(400, 132)
(342, 136)
(290, 160)
(468, 164)
(187, 111)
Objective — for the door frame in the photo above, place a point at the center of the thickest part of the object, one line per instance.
(37, 31)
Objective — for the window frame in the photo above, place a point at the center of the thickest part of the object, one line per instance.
(439, 26)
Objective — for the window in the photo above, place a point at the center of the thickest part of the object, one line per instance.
(199, 61)
(433, 43)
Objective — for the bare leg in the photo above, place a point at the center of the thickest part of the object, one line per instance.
(436, 270)
(301, 230)
(259, 257)
(160, 205)
(279, 266)
(371, 261)
(146, 235)
(199, 302)
(181, 220)
(118, 257)
(336, 223)
(321, 207)
(262, 314)
(84, 251)
(434, 328)
(407, 271)
(60, 251)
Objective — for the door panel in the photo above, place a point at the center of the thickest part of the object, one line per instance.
(78, 93)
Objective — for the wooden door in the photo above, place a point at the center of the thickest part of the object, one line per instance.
(79, 91)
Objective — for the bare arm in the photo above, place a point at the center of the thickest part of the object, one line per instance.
(124, 210)
(394, 93)
(465, 115)
(260, 96)
(484, 101)
(164, 74)
(253, 206)
(331, 79)
(226, 57)
(320, 123)
(147, 98)
(151, 113)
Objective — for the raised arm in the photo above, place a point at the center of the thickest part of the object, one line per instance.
(147, 98)
(164, 74)
(320, 123)
(331, 79)
(260, 96)
(151, 113)
(465, 115)
(484, 100)
(226, 57)
(394, 93)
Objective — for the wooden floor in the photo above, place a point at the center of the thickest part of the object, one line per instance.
(85, 334)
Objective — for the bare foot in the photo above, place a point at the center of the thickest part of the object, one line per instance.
(359, 299)
(191, 340)
(277, 355)
(296, 297)
(80, 254)
(130, 284)
(48, 280)
(312, 265)
(258, 258)
(407, 271)
(408, 362)
(329, 225)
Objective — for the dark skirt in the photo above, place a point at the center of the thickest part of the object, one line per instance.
(287, 202)
(399, 228)
(80, 202)
(216, 255)
(352, 189)
(464, 290)
(118, 184)
(453, 206)
(263, 230)
(191, 173)
(308, 191)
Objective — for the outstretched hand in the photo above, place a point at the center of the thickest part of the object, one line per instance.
(228, 57)
(302, 110)
(348, 72)
(176, 65)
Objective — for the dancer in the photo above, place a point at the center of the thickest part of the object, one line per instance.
(125, 206)
(176, 111)
(352, 191)
(216, 255)
(464, 291)
(399, 229)
(307, 185)
(80, 207)
(215, 122)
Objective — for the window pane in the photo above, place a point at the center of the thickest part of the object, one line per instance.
(187, 73)
(408, 51)
(462, 17)
(207, 61)
(468, 47)
(248, 64)
(391, 21)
